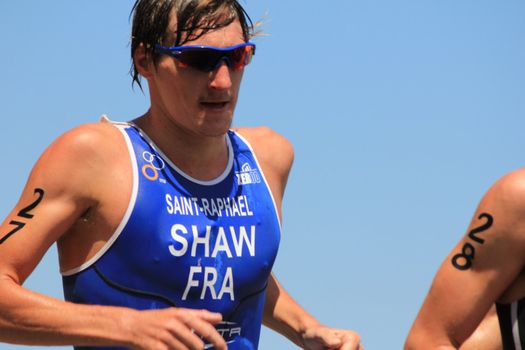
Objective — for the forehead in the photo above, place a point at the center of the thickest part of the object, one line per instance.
(229, 35)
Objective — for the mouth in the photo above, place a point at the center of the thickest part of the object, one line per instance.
(215, 105)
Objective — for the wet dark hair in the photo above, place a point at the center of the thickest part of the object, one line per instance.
(151, 19)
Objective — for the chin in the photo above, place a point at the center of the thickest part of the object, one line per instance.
(215, 129)
(216, 125)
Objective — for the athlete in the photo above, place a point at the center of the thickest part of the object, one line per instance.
(167, 226)
(483, 270)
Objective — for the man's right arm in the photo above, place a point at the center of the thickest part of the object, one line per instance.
(61, 187)
(477, 271)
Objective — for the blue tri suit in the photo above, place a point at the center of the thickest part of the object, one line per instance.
(188, 243)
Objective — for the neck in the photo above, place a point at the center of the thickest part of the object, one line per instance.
(201, 157)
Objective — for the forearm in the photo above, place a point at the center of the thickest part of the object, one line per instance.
(33, 319)
(284, 315)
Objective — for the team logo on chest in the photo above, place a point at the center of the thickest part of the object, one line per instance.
(247, 175)
(153, 166)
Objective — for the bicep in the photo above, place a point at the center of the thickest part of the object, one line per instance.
(475, 273)
(41, 216)
(56, 194)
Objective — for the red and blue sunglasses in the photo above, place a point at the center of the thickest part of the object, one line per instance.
(207, 58)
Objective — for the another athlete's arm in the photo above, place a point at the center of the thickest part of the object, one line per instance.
(487, 336)
(282, 313)
(62, 186)
(477, 271)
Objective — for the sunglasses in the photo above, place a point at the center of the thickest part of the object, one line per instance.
(207, 58)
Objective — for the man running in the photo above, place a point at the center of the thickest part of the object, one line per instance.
(167, 226)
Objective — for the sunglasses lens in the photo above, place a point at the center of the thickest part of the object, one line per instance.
(201, 59)
(241, 57)
(207, 59)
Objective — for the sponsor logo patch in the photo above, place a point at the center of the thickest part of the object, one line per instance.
(247, 175)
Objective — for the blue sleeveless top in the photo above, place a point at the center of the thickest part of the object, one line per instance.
(188, 243)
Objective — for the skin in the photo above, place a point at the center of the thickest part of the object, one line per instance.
(487, 336)
(86, 195)
(459, 300)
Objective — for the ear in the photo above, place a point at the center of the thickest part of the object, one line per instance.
(143, 61)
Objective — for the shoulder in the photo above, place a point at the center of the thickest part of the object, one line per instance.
(78, 156)
(86, 138)
(272, 149)
(497, 229)
(507, 195)
(81, 145)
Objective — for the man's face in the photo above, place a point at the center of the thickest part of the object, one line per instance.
(200, 103)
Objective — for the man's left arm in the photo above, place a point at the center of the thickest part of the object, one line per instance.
(288, 318)
(282, 313)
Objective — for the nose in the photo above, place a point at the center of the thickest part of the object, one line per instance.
(221, 77)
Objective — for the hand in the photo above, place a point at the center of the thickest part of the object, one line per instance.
(323, 338)
(175, 329)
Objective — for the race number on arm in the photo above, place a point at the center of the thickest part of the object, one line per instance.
(478, 271)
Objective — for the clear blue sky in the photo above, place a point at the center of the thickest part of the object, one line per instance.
(402, 114)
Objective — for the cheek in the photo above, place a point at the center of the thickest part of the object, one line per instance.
(236, 78)
(179, 86)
